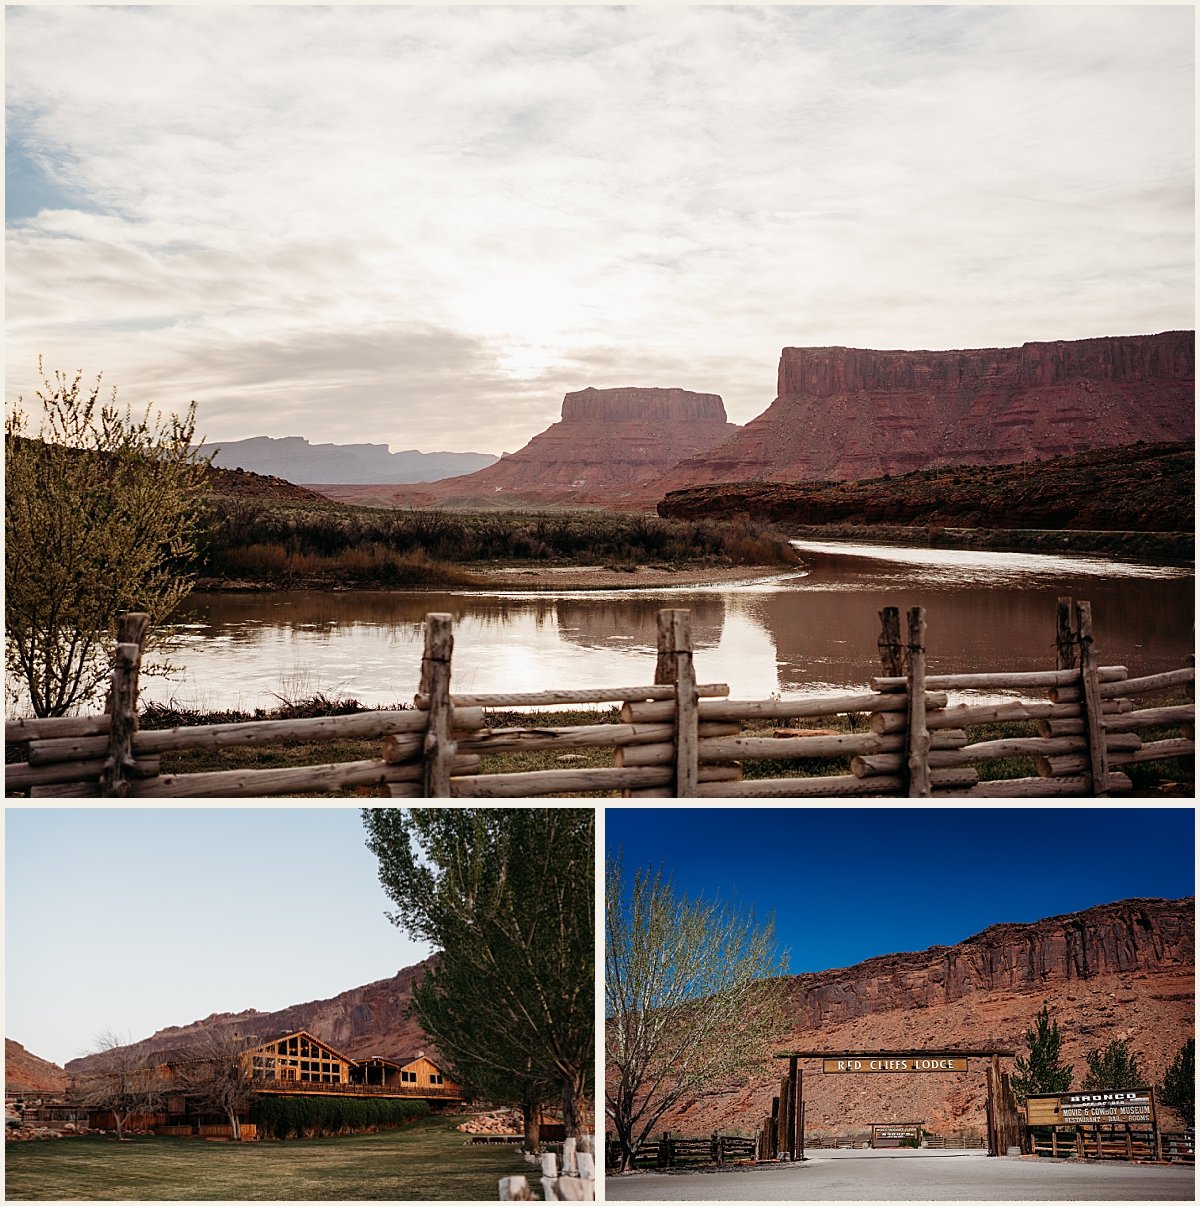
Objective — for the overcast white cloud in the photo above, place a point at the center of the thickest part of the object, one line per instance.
(422, 225)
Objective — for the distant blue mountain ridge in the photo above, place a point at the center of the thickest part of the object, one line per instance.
(295, 460)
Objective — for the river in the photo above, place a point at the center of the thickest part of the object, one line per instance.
(810, 631)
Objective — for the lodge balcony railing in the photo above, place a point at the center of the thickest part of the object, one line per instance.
(293, 1087)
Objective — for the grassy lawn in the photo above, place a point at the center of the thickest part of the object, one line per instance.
(427, 1161)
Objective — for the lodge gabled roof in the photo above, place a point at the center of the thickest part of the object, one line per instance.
(273, 1039)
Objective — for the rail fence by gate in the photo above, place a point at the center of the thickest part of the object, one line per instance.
(676, 1151)
(675, 737)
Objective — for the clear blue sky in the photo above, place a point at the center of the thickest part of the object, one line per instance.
(131, 919)
(848, 883)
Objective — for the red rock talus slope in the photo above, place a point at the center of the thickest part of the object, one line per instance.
(1116, 971)
(611, 448)
(366, 1021)
(24, 1071)
(850, 413)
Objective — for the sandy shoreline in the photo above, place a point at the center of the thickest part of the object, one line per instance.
(599, 577)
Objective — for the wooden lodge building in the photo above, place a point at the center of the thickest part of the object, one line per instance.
(295, 1063)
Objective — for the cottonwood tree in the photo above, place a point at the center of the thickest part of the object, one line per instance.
(117, 1080)
(1178, 1088)
(444, 1008)
(691, 998)
(217, 1077)
(1113, 1067)
(99, 518)
(1043, 1071)
(507, 896)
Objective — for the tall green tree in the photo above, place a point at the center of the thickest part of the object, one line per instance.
(99, 518)
(1113, 1067)
(1042, 1071)
(1178, 1088)
(691, 999)
(507, 896)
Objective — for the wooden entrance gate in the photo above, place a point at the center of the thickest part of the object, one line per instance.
(784, 1131)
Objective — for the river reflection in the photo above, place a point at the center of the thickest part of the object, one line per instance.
(813, 631)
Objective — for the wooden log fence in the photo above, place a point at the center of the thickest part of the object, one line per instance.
(678, 1151)
(674, 738)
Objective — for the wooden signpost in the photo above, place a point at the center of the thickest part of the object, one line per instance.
(894, 1134)
(1093, 1123)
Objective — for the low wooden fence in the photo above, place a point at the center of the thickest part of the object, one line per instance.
(1112, 1143)
(961, 1140)
(678, 1151)
(675, 737)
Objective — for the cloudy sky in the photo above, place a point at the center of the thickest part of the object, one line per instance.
(420, 226)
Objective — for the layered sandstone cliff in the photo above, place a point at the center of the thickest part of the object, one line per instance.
(1116, 971)
(850, 413)
(610, 448)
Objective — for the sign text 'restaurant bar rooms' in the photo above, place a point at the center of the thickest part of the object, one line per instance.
(897, 1063)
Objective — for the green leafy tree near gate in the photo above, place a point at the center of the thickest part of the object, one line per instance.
(691, 999)
(507, 896)
(1113, 1067)
(1178, 1088)
(99, 518)
(1043, 1070)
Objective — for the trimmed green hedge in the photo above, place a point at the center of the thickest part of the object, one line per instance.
(307, 1117)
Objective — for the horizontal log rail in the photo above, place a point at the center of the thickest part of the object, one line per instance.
(674, 737)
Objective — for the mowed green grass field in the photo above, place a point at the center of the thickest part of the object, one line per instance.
(427, 1161)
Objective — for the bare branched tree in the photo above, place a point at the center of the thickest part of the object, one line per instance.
(691, 999)
(217, 1076)
(117, 1080)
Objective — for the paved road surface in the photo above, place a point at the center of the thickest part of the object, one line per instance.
(910, 1176)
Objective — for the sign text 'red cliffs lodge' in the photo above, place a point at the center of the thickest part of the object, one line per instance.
(897, 1063)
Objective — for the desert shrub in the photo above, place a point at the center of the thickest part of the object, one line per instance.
(285, 542)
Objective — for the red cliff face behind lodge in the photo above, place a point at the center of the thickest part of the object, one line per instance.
(1117, 971)
(361, 1022)
(851, 413)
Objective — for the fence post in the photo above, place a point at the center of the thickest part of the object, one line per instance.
(1064, 635)
(1089, 676)
(122, 703)
(891, 651)
(435, 686)
(675, 666)
(918, 731)
(1189, 730)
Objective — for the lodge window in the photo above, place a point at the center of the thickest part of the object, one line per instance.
(435, 1078)
(408, 1077)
